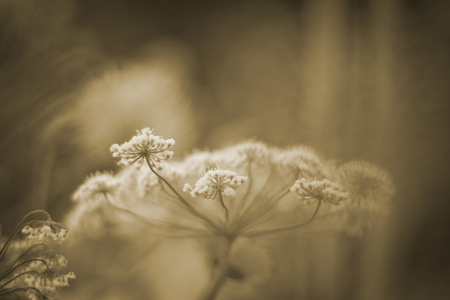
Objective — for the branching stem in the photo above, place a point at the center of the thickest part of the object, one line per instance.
(187, 204)
(287, 227)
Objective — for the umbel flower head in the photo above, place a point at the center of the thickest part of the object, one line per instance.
(216, 181)
(143, 146)
(319, 190)
(29, 267)
(263, 192)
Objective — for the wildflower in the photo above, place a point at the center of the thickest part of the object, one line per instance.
(325, 190)
(262, 194)
(216, 181)
(144, 146)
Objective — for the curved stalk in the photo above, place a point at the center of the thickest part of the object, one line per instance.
(18, 276)
(22, 289)
(155, 224)
(263, 209)
(26, 253)
(13, 268)
(16, 229)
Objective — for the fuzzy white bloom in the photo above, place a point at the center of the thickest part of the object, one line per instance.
(214, 181)
(54, 261)
(45, 234)
(96, 184)
(143, 146)
(314, 190)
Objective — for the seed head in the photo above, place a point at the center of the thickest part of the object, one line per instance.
(325, 190)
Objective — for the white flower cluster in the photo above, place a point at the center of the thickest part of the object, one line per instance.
(216, 181)
(55, 261)
(314, 190)
(45, 234)
(143, 146)
(47, 284)
(275, 177)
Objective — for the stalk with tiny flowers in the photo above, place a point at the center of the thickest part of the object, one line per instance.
(29, 267)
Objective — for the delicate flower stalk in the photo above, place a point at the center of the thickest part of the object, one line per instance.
(220, 275)
(28, 264)
(263, 192)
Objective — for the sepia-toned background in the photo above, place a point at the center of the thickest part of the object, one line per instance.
(355, 79)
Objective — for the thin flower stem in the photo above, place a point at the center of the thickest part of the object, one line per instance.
(221, 274)
(22, 289)
(13, 268)
(238, 216)
(287, 227)
(223, 204)
(16, 229)
(189, 206)
(243, 218)
(167, 183)
(264, 209)
(154, 224)
(17, 276)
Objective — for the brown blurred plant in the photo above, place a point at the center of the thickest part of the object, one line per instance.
(30, 268)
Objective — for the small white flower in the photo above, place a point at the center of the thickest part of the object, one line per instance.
(214, 181)
(45, 234)
(143, 146)
(47, 283)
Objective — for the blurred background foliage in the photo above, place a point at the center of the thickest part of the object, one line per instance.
(356, 79)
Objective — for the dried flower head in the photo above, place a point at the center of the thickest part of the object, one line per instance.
(370, 190)
(324, 190)
(143, 146)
